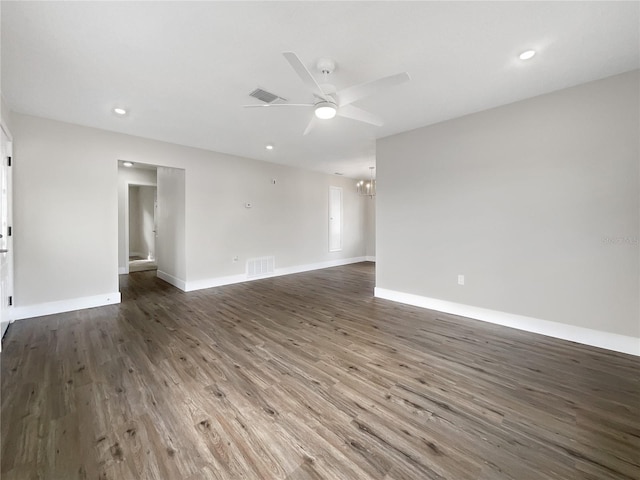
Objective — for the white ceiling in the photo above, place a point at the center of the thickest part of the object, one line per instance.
(185, 69)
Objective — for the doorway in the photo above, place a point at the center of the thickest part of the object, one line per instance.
(157, 238)
(143, 208)
(137, 197)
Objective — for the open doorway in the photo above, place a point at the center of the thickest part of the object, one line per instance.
(151, 221)
(137, 207)
(143, 207)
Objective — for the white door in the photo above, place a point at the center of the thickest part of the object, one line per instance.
(335, 219)
(6, 243)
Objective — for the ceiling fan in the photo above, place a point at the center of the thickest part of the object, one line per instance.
(330, 102)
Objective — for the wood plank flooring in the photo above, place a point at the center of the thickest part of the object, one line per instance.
(306, 377)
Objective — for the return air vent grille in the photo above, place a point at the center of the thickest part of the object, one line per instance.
(259, 267)
(264, 96)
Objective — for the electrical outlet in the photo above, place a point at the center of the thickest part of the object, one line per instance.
(460, 279)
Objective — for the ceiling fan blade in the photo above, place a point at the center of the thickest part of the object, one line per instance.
(351, 94)
(312, 124)
(355, 113)
(304, 74)
(280, 105)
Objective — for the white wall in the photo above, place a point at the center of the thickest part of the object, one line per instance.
(65, 214)
(66, 197)
(128, 176)
(171, 258)
(5, 113)
(537, 203)
(288, 220)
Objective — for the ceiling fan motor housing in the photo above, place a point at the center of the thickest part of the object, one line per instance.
(326, 65)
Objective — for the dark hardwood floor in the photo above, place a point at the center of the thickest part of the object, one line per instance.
(306, 377)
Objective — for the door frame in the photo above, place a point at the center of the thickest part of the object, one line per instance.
(9, 259)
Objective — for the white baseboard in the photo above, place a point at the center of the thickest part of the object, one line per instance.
(50, 308)
(230, 279)
(370, 258)
(176, 282)
(123, 270)
(219, 281)
(587, 336)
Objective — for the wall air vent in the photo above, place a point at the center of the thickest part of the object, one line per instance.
(260, 267)
(264, 96)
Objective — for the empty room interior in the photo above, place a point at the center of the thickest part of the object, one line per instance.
(320, 240)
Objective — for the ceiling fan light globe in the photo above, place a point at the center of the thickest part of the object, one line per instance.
(325, 110)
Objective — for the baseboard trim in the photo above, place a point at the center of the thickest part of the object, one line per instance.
(587, 336)
(219, 281)
(51, 308)
(231, 279)
(370, 258)
(176, 282)
(123, 270)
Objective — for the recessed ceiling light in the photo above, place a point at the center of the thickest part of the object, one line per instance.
(127, 164)
(119, 111)
(269, 147)
(527, 55)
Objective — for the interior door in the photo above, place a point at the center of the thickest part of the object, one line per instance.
(335, 219)
(6, 251)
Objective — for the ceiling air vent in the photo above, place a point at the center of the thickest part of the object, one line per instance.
(264, 96)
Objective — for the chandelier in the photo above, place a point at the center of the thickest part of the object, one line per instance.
(367, 187)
